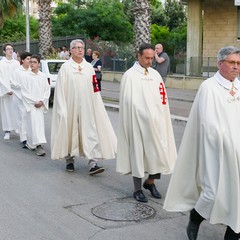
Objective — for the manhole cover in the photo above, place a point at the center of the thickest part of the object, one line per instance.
(120, 211)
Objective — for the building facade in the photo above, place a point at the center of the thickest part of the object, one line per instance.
(212, 24)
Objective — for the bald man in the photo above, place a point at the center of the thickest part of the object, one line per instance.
(162, 61)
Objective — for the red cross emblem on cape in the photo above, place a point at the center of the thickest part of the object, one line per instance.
(95, 83)
(163, 94)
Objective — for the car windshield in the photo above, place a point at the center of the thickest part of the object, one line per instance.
(54, 67)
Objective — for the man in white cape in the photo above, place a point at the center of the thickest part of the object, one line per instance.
(145, 135)
(18, 76)
(35, 96)
(80, 124)
(206, 178)
(7, 66)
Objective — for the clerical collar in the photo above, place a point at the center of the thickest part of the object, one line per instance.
(143, 70)
(226, 83)
(24, 69)
(77, 66)
(33, 73)
(7, 60)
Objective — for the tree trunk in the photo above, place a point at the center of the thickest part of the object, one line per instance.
(45, 27)
(142, 21)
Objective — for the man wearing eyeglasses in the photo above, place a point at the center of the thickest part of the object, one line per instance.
(206, 179)
(7, 66)
(80, 124)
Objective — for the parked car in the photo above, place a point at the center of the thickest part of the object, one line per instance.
(51, 67)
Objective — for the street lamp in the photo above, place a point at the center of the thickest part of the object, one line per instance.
(27, 27)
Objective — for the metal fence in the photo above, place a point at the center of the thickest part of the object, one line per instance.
(34, 44)
(199, 67)
(194, 66)
(115, 64)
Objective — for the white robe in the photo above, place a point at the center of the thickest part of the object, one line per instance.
(35, 88)
(18, 76)
(7, 67)
(207, 172)
(145, 135)
(80, 124)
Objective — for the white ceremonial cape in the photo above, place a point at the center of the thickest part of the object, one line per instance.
(80, 124)
(145, 135)
(7, 106)
(207, 172)
(34, 89)
(18, 76)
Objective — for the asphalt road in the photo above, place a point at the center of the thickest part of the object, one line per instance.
(41, 201)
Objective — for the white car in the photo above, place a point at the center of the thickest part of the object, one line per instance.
(51, 67)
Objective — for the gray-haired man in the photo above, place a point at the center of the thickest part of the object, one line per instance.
(80, 124)
(206, 177)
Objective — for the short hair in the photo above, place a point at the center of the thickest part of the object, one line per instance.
(7, 44)
(96, 53)
(36, 57)
(74, 42)
(225, 51)
(24, 55)
(144, 46)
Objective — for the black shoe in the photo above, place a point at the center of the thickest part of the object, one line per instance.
(152, 188)
(231, 235)
(140, 197)
(24, 144)
(192, 230)
(70, 167)
(95, 170)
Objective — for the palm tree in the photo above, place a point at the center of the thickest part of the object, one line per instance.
(8, 8)
(45, 27)
(142, 21)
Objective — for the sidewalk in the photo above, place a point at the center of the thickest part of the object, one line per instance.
(180, 100)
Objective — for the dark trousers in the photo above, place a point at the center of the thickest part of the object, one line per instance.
(231, 235)
(99, 84)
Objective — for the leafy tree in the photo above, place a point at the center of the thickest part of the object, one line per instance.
(67, 20)
(14, 29)
(107, 23)
(128, 9)
(158, 14)
(159, 34)
(175, 13)
(174, 41)
(8, 8)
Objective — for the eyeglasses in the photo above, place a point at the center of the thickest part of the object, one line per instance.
(232, 63)
(35, 62)
(79, 48)
(9, 49)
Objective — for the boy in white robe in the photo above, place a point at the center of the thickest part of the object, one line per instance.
(7, 66)
(206, 179)
(19, 75)
(35, 96)
(80, 124)
(145, 135)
